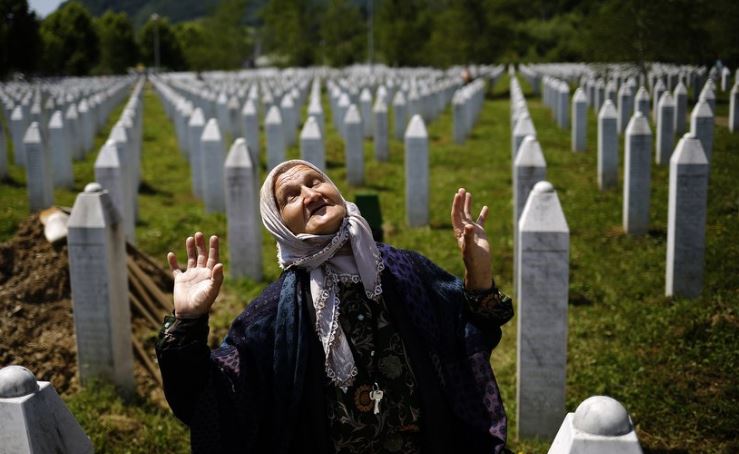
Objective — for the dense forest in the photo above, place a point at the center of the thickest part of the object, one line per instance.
(111, 36)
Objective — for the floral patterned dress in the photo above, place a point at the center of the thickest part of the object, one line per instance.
(382, 363)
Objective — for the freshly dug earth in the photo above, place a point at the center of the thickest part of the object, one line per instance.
(36, 313)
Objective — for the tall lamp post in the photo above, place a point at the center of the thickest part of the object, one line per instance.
(155, 18)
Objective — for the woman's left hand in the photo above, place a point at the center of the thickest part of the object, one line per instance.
(472, 241)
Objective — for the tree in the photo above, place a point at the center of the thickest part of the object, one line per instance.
(170, 52)
(343, 33)
(402, 30)
(291, 30)
(18, 25)
(118, 49)
(70, 42)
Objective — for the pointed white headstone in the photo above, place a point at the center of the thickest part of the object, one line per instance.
(417, 173)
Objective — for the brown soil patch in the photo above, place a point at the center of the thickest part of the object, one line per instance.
(36, 313)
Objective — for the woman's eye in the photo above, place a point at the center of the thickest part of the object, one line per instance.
(316, 183)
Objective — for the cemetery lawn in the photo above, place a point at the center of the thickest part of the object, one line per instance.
(671, 362)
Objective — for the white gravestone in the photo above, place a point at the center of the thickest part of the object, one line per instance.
(379, 111)
(681, 108)
(316, 110)
(734, 108)
(641, 101)
(34, 417)
(400, 114)
(599, 425)
(365, 105)
(637, 175)
(275, 138)
(99, 283)
(607, 146)
(111, 173)
(523, 128)
(542, 289)
(459, 127)
(701, 124)
(625, 106)
(195, 127)
(340, 113)
(665, 129)
(214, 152)
(579, 120)
(17, 132)
(71, 119)
(686, 219)
(87, 128)
(289, 114)
(311, 144)
(242, 213)
(354, 147)
(3, 155)
(530, 168)
(250, 122)
(417, 173)
(39, 175)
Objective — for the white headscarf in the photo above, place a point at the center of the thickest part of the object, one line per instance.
(316, 254)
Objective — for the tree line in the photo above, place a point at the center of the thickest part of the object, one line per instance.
(404, 32)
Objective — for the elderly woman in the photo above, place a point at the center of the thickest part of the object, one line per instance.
(358, 347)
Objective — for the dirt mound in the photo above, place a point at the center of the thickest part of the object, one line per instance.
(36, 314)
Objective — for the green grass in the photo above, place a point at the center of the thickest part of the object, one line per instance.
(671, 362)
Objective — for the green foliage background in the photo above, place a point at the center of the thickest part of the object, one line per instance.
(228, 34)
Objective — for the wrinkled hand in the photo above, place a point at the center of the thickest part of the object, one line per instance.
(472, 241)
(196, 288)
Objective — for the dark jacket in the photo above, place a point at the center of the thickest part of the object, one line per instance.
(262, 390)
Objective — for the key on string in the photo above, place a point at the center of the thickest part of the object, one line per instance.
(376, 395)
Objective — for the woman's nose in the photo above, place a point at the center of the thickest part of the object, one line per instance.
(310, 194)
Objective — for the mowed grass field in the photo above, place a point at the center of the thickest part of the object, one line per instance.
(671, 362)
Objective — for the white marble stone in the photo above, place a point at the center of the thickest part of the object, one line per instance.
(39, 177)
(734, 108)
(579, 121)
(99, 283)
(289, 114)
(524, 127)
(607, 146)
(542, 290)
(701, 124)
(665, 129)
(625, 106)
(315, 109)
(35, 419)
(599, 425)
(686, 219)
(275, 137)
(3, 155)
(18, 128)
(417, 173)
(530, 168)
(365, 108)
(87, 127)
(379, 111)
(214, 155)
(400, 114)
(111, 174)
(195, 127)
(242, 213)
(641, 101)
(250, 124)
(681, 108)
(311, 144)
(354, 149)
(637, 175)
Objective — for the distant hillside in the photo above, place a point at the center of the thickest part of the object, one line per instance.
(176, 10)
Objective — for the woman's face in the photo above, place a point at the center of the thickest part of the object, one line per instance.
(307, 202)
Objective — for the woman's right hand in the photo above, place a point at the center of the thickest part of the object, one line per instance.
(196, 288)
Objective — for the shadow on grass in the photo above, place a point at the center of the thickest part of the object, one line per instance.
(148, 189)
(10, 181)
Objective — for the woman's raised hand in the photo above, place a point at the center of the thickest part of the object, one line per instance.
(472, 241)
(196, 288)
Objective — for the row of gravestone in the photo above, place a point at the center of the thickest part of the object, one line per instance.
(543, 311)
(46, 142)
(689, 168)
